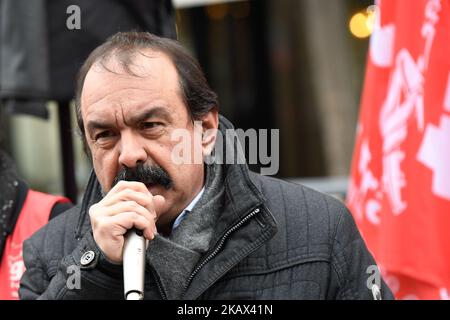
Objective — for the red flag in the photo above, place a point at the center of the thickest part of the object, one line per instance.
(399, 190)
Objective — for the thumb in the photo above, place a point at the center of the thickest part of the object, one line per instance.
(158, 203)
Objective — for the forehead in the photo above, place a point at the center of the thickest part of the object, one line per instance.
(151, 75)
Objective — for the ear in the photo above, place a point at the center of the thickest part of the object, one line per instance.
(210, 124)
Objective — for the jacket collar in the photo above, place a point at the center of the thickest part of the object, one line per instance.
(244, 225)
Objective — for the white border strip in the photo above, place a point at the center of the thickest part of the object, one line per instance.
(181, 4)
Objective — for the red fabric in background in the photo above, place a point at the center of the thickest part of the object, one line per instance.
(399, 190)
(35, 213)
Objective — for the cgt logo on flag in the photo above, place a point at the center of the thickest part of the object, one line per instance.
(400, 180)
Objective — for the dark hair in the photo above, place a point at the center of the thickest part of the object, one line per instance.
(123, 46)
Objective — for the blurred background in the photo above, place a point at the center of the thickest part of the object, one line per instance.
(293, 65)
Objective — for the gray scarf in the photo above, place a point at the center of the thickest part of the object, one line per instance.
(175, 257)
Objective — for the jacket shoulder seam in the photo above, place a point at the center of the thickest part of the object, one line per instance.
(336, 249)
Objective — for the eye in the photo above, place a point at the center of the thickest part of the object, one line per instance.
(103, 135)
(151, 125)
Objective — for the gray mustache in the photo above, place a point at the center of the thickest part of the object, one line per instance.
(145, 174)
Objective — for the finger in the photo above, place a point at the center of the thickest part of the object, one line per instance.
(125, 221)
(134, 185)
(125, 206)
(154, 204)
(158, 204)
(143, 198)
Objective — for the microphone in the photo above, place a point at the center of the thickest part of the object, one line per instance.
(134, 265)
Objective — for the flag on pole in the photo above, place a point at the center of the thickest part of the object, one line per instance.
(399, 189)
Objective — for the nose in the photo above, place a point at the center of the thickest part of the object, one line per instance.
(132, 150)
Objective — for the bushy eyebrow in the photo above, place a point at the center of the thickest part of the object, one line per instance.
(155, 112)
(96, 124)
(160, 112)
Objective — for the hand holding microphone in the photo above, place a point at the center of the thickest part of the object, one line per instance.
(128, 205)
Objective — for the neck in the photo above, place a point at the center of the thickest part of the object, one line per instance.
(165, 227)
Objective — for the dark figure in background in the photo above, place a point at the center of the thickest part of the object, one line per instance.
(40, 53)
(216, 230)
(22, 212)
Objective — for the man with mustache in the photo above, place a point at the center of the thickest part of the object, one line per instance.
(215, 231)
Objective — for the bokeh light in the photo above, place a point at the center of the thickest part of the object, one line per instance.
(362, 23)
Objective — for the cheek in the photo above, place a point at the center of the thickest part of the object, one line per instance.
(105, 167)
(161, 153)
(186, 147)
(188, 176)
(183, 175)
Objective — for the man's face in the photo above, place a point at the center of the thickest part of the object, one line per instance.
(129, 122)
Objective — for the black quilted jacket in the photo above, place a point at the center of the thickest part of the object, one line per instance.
(273, 240)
